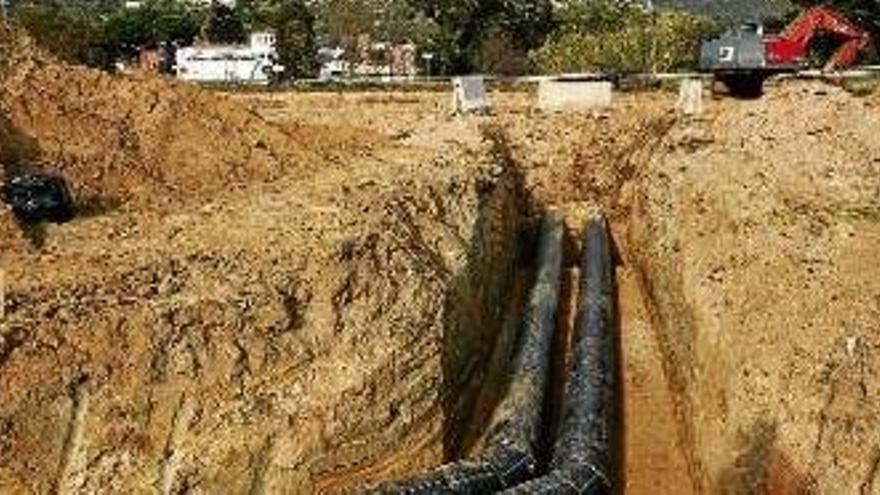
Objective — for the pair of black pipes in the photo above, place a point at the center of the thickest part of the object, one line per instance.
(582, 454)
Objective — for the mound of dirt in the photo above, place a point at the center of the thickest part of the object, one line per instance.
(223, 319)
(756, 232)
(286, 339)
(136, 141)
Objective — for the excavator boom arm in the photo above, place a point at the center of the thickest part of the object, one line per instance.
(793, 44)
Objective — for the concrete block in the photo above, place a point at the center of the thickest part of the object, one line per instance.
(574, 96)
(690, 97)
(469, 94)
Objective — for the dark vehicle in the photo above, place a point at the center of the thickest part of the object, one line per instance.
(38, 197)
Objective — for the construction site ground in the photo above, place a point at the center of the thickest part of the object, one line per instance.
(288, 292)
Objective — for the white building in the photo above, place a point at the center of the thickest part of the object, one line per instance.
(246, 64)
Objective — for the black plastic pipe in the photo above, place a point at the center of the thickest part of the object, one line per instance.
(583, 453)
(515, 431)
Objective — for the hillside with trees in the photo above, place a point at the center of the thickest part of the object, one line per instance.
(730, 11)
(506, 37)
(622, 37)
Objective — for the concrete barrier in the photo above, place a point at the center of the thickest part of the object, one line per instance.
(574, 96)
(690, 97)
(469, 95)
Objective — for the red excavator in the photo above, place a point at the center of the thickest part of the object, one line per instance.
(744, 59)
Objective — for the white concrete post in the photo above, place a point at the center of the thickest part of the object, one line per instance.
(690, 97)
(469, 95)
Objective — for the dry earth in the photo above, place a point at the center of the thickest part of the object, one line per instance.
(294, 292)
(284, 304)
(756, 233)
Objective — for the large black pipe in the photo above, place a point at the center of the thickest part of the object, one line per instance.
(510, 456)
(583, 453)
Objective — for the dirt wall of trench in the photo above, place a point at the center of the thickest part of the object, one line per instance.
(756, 231)
(319, 356)
(238, 309)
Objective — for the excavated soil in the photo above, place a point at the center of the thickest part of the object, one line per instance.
(283, 292)
(756, 233)
(141, 142)
(242, 305)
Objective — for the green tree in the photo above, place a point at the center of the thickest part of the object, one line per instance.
(528, 21)
(518, 27)
(499, 53)
(399, 22)
(597, 16)
(225, 24)
(295, 38)
(340, 22)
(155, 22)
(72, 33)
(466, 28)
(256, 14)
(600, 35)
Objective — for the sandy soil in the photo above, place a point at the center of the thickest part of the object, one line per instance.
(756, 231)
(248, 305)
(287, 292)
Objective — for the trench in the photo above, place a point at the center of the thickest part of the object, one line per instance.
(661, 396)
(480, 401)
(482, 308)
(571, 452)
(522, 454)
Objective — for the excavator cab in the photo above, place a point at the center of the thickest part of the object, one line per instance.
(738, 50)
(738, 59)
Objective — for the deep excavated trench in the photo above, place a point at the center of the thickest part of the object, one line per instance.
(326, 316)
(231, 374)
(481, 312)
(515, 456)
(659, 448)
(515, 433)
(559, 425)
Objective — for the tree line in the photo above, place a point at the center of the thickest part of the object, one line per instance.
(506, 37)
(99, 33)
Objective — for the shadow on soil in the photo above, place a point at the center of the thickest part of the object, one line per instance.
(618, 442)
(761, 468)
(478, 302)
